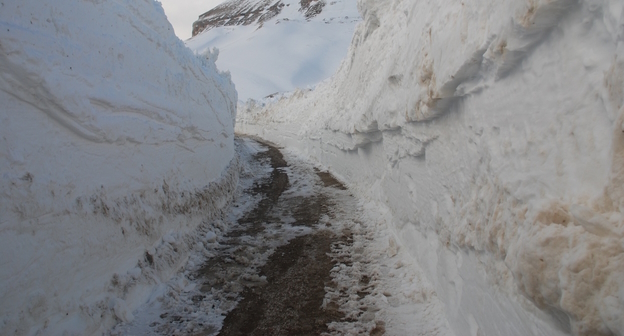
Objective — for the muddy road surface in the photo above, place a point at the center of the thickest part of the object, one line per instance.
(270, 267)
(295, 254)
(291, 300)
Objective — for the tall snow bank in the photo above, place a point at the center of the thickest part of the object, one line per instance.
(493, 131)
(116, 143)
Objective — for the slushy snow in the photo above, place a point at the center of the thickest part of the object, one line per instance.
(116, 144)
(493, 134)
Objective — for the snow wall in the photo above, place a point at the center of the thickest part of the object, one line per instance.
(116, 144)
(493, 131)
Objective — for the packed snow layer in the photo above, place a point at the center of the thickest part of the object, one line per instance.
(493, 132)
(117, 142)
(287, 52)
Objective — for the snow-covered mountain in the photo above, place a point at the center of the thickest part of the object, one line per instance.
(276, 46)
(116, 142)
(246, 12)
(492, 132)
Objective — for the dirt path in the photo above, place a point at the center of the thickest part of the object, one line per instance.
(296, 255)
(268, 270)
(296, 273)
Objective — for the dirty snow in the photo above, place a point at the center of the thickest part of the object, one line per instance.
(492, 133)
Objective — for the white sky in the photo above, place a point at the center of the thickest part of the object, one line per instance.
(182, 14)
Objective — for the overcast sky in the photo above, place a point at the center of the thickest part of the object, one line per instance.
(182, 13)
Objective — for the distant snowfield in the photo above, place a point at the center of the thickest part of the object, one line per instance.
(116, 143)
(285, 53)
(492, 132)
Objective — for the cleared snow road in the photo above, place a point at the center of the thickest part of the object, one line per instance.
(297, 255)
